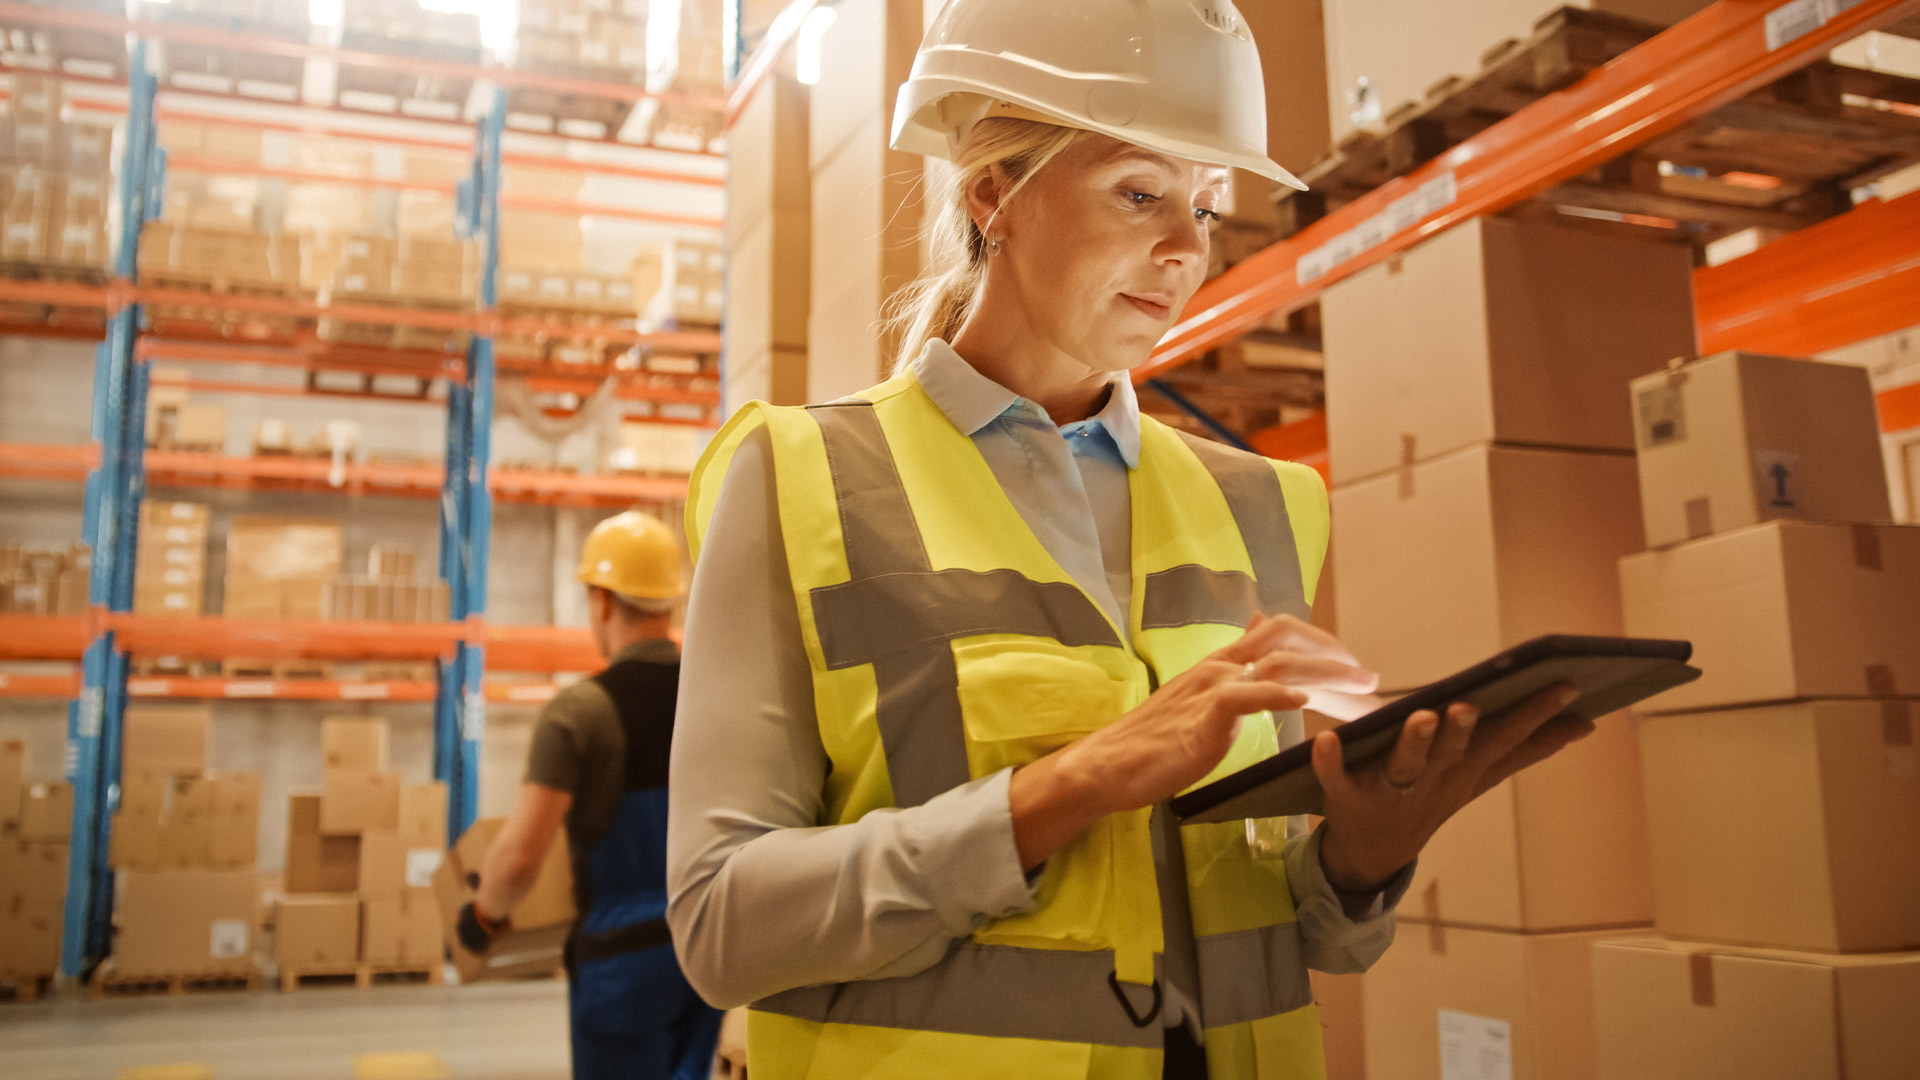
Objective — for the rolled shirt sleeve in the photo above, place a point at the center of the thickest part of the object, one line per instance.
(762, 897)
(1336, 942)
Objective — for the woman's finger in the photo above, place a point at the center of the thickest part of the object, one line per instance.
(1330, 765)
(1340, 705)
(1240, 698)
(1409, 758)
(1284, 632)
(1456, 731)
(1509, 730)
(1315, 673)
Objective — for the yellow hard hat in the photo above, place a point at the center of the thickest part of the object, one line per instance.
(633, 554)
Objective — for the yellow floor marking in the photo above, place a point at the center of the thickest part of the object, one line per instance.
(188, 1070)
(412, 1065)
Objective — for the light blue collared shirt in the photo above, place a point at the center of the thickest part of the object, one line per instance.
(1068, 481)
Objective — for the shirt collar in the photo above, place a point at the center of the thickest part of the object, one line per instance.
(649, 650)
(972, 401)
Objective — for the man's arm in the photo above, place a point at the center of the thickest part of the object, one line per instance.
(514, 860)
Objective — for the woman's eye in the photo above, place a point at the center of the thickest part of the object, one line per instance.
(1201, 213)
(1139, 198)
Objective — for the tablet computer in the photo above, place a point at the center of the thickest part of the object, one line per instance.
(1610, 673)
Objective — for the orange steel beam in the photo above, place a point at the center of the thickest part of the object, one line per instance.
(175, 686)
(1900, 408)
(785, 28)
(43, 637)
(15, 13)
(213, 636)
(40, 686)
(1849, 278)
(541, 648)
(1692, 68)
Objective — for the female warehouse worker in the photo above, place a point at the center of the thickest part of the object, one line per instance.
(954, 641)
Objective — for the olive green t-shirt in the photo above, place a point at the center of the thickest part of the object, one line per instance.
(580, 748)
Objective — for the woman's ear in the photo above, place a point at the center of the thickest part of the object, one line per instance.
(983, 195)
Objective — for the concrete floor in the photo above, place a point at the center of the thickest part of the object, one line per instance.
(511, 1030)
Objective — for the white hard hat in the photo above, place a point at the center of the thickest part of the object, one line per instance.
(1181, 77)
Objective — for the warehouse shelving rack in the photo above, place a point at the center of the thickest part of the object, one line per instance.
(117, 469)
(1849, 278)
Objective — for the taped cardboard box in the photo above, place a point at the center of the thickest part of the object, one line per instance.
(1339, 1001)
(1498, 331)
(317, 862)
(541, 922)
(1444, 1001)
(1783, 611)
(1677, 1010)
(184, 922)
(29, 943)
(390, 864)
(354, 742)
(1792, 826)
(316, 929)
(46, 812)
(1528, 537)
(402, 930)
(423, 814)
(33, 876)
(1736, 439)
(358, 800)
(164, 739)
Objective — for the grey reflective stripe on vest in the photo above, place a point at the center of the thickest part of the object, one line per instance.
(1259, 508)
(1185, 595)
(1252, 974)
(899, 614)
(997, 991)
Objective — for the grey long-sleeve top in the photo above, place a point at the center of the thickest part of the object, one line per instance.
(762, 897)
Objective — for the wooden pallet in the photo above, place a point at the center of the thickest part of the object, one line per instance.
(24, 988)
(182, 667)
(1781, 158)
(63, 273)
(250, 668)
(313, 976)
(108, 982)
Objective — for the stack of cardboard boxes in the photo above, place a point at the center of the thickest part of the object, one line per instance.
(56, 181)
(170, 569)
(280, 567)
(44, 579)
(175, 421)
(1483, 490)
(404, 27)
(216, 68)
(1782, 802)
(769, 243)
(361, 856)
(36, 821)
(390, 591)
(690, 61)
(184, 848)
(236, 259)
(692, 284)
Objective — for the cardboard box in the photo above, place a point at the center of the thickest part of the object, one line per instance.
(1674, 1010)
(1794, 826)
(170, 739)
(316, 929)
(1784, 610)
(358, 800)
(1501, 331)
(145, 794)
(134, 843)
(316, 862)
(1443, 1001)
(423, 814)
(1339, 1000)
(184, 922)
(29, 943)
(541, 922)
(263, 548)
(1404, 49)
(1736, 439)
(13, 764)
(401, 930)
(355, 742)
(1559, 846)
(1527, 537)
(391, 863)
(46, 812)
(233, 821)
(33, 876)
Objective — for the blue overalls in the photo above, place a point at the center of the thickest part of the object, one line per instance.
(634, 1016)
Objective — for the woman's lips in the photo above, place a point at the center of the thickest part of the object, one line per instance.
(1157, 311)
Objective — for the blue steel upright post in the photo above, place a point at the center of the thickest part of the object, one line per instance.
(466, 510)
(109, 528)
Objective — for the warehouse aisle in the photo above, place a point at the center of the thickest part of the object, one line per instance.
(512, 1030)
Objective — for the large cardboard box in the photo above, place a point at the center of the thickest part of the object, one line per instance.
(316, 929)
(1784, 610)
(46, 812)
(402, 930)
(1444, 564)
(358, 742)
(1675, 1010)
(13, 765)
(317, 862)
(1795, 826)
(1446, 1001)
(423, 814)
(541, 922)
(358, 800)
(1339, 1000)
(1502, 331)
(184, 922)
(1736, 439)
(1560, 846)
(233, 820)
(169, 739)
(29, 943)
(1403, 49)
(33, 876)
(391, 863)
(134, 843)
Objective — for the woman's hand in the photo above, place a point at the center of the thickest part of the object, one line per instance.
(1182, 731)
(1378, 818)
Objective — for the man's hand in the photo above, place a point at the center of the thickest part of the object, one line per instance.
(475, 931)
(1379, 817)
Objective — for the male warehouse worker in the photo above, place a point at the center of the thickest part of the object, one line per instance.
(599, 764)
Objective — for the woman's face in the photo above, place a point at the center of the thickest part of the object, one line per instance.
(1104, 247)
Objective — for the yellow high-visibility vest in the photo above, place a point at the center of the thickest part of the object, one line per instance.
(947, 644)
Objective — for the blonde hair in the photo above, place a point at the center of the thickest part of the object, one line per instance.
(935, 304)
